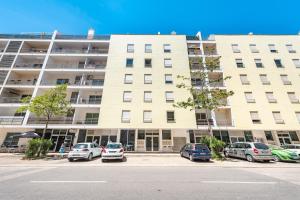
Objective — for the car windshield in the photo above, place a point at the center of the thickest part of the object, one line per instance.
(113, 146)
(260, 146)
(80, 146)
(200, 146)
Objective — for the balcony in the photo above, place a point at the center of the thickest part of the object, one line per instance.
(29, 66)
(55, 120)
(10, 99)
(81, 37)
(94, 82)
(66, 66)
(204, 122)
(21, 82)
(11, 120)
(85, 100)
(225, 123)
(79, 51)
(34, 50)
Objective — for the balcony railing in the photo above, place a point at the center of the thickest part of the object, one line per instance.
(224, 123)
(34, 50)
(62, 120)
(189, 37)
(194, 52)
(85, 101)
(89, 66)
(82, 37)
(26, 36)
(203, 122)
(10, 99)
(94, 82)
(80, 51)
(29, 66)
(11, 120)
(22, 82)
(216, 84)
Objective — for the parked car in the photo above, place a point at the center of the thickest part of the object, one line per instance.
(195, 152)
(292, 147)
(85, 151)
(113, 151)
(251, 151)
(281, 154)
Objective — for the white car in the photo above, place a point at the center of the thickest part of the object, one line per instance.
(292, 147)
(113, 151)
(85, 151)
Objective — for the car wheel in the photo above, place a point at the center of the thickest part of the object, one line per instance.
(226, 154)
(103, 160)
(249, 158)
(70, 159)
(207, 160)
(181, 153)
(90, 157)
(191, 158)
(276, 158)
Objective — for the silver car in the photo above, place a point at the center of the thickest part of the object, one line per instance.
(113, 151)
(85, 151)
(251, 151)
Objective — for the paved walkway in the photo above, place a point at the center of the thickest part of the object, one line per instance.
(134, 159)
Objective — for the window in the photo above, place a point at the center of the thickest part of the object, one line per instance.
(126, 116)
(270, 97)
(244, 79)
(168, 62)
(148, 48)
(277, 117)
(296, 63)
(258, 63)
(167, 48)
(166, 135)
(141, 134)
(269, 135)
(294, 136)
(278, 63)
(62, 81)
(148, 96)
(253, 48)
(239, 63)
(127, 96)
(95, 99)
(168, 79)
(285, 79)
(255, 117)
(170, 116)
(248, 136)
(129, 62)
(147, 116)
(169, 96)
(148, 78)
(235, 48)
(148, 62)
(128, 79)
(290, 48)
(298, 116)
(91, 118)
(264, 79)
(130, 48)
(272, 48)
(249, 97)
(292, 97)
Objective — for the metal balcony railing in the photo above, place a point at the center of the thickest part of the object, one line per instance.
(94, 82)
(88, 66)
(10, 99)
(82, 37)
(29, 66)
(28, 82)
(81, 51)
(85, 101)
(11, 120)
(62, 120)
(203, 122)
(33, 50)
(26, 36)
(225, 123)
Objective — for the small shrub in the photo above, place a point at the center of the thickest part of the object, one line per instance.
(37, 148)
(215, 146)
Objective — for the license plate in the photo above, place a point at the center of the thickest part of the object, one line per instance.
(75, 154)
(112, 152)
(202, 153)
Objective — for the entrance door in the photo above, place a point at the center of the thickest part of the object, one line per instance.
(152, 143)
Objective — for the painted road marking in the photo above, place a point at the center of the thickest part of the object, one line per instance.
(68, 181)
(24, 173)
(241, 182)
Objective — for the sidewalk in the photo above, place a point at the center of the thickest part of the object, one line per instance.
(136, 160)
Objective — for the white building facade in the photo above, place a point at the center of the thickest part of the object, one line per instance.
(123, 87)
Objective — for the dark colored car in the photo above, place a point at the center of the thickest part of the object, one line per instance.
(195, 152)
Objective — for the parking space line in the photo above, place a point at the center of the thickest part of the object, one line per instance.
(68, 181)
(240, 182)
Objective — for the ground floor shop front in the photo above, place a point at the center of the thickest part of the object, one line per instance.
(148, 140)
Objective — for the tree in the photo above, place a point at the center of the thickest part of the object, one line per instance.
(52, 103)
(203, 96)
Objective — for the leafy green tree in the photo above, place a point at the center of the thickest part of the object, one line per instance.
(203, 96)
(50, 104)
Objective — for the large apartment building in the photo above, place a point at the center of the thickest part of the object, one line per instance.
(123, 87)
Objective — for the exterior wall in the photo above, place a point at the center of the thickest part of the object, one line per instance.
(240, 108)
(112, 102)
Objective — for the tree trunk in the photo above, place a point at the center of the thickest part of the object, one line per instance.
(45, 129)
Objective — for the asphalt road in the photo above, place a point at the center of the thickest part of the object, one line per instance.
(162, 183)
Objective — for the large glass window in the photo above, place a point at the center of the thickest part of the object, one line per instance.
(166, 135)
(127, 139)
(170, 116)
(248, 136)
(269, 135)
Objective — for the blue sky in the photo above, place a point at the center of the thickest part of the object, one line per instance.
(145, 16)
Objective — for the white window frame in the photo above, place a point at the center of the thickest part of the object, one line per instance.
(292, 97)
(285, 79)
(298, 116)
(168, 62)
(296, 62)
(168, 77)
(255, 117)
(249, 97)
(147, 78)
(244, 79)
(147, 49)
(147, 96)
(264, 79)
(125, 116)
(253, 48)
(130, 48)
(147, 116)
(169, 96)
(128, 79)
(235, 48)
(277, 117)
(271, 98)
(127, 96)
(167, 48)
